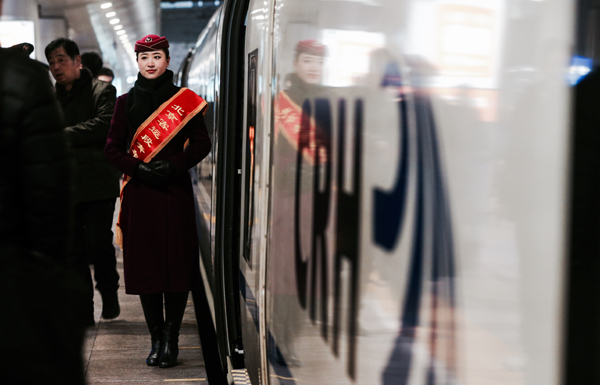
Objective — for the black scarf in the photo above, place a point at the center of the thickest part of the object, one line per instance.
(147, 95)
(298, 90)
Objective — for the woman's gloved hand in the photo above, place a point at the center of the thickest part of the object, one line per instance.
(164, 167)
(156, 173)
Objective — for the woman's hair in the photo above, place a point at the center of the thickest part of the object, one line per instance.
(165, 50)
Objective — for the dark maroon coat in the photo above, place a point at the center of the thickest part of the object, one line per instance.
(160, 242)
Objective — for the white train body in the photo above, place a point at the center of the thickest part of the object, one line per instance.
(404, 221)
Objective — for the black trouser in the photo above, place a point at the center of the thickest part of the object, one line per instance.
(93, 240)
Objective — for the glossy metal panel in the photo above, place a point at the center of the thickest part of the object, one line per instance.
(419, 190)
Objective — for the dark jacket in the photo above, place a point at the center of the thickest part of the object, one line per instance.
(160, 242)
(88, 108)
(37, 291)
(36, 167)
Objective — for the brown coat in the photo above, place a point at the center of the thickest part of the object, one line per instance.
(160, 242)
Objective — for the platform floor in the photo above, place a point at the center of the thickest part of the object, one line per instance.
(115, 350)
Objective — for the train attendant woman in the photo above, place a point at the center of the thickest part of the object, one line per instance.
(148, 141)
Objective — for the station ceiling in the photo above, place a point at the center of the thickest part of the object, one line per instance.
(109, 27)
(86, 18)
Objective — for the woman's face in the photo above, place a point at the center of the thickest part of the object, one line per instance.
(309, 68)
(152, 64)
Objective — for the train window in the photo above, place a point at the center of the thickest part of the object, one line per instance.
(250, 137)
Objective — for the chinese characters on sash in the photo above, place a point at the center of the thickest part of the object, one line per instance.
(164, 123)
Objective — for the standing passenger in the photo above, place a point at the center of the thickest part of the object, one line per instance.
(106, 75)
(93, 62)
(88, 105)
(147, 141)
(42, 335)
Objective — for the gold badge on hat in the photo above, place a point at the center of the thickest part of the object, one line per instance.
(148, 39)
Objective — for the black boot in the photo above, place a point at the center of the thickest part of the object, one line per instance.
(174, 308)
(152, 304)
(110, 305)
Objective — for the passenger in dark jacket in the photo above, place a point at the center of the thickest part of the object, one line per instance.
(41, 335)
(93, 62)
(88, 105)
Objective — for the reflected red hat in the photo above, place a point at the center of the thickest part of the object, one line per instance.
(151, 43)
(311, 47)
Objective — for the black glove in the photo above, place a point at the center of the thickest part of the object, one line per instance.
(164, 167)
(156, 173)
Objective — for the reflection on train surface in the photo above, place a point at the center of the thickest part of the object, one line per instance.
(387, 197)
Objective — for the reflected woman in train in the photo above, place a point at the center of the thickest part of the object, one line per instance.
(157, 133)
(305, 82)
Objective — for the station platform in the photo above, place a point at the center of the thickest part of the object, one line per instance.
(115, 350)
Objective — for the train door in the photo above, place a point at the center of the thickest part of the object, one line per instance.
(232, 66)
(255, 177)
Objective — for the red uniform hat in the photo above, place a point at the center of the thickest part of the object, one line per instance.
(311, 47)
(151, 43)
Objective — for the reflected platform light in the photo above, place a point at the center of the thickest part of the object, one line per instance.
(106, 5)
(114, 21)
(118, 27)
(121, 32)
(111, 14)
(200, 3)
(580, 66)
(177, 5)
(217, 3)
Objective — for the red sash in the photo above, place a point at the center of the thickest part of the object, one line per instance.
(288, 118)
(160, 127)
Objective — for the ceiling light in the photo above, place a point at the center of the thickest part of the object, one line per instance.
(111, 14)
(106, 5)
(121, 32)
(114, 21)
(118, 27)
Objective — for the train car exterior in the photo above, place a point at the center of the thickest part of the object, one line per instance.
(386, 198)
